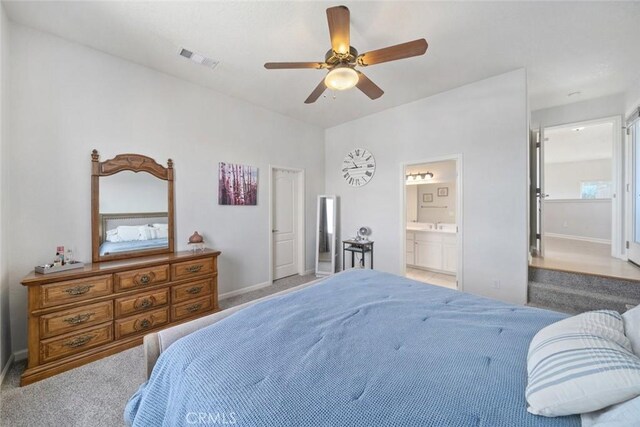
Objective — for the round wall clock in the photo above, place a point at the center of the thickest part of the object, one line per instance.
(358, 167)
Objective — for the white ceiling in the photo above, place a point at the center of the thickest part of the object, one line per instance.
(565, 46)
(567, 144)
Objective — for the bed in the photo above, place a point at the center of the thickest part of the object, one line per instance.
(360, 348)
(111, 221)
(135, 245)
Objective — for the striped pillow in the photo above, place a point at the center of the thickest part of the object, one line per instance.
(581, 364)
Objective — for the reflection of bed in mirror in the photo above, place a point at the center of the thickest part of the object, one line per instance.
(125, 232)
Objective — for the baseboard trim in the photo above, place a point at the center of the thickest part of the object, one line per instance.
(20, 355)
(244, 290)
(6, 368)
(580, 238)
(307, 272)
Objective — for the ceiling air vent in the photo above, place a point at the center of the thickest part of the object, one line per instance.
(198, 58)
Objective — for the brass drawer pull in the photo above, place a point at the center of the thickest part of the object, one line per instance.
(80, 318)
(144, 324)
(146, 303)
(79, 342)
(194, 268)
(194, 307)
(144, 279)
(194, 290)
(79, 290)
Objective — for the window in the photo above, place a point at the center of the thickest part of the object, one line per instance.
(595, 190)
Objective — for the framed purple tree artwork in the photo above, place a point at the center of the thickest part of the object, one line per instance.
(237, 184)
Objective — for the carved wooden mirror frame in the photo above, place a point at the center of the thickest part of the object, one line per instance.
(135, 163)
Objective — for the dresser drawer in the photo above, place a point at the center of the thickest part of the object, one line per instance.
(58, 347)
(71, 320)
(141, 322)
(75, 290)
(191, 308)
(183, 270)
(141, 278)
(191, 290)
(141, 302)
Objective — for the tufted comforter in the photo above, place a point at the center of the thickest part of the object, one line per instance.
(363, 348)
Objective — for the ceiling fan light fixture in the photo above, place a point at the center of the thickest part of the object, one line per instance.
(341, 78)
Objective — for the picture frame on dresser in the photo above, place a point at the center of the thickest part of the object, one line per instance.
(78, 316)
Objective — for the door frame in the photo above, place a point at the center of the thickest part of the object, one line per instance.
(629, 186)
(618, 180)
(459, 213)
(300, 218)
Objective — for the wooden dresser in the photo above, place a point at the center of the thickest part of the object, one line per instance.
(78, 316)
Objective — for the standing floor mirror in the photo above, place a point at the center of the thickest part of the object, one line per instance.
(326, 232)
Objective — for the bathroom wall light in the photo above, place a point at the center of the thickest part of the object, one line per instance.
(420, 176)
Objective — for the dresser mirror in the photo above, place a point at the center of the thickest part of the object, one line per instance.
(131, 207)
(326, 233)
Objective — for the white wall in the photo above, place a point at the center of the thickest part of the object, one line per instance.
(5, 330)
(67, 99)
(564, 212)
(585, 219)
(562, 180)
(486, 122)
(434, 211)
(130, 192)
(598, 108)
(632, 99)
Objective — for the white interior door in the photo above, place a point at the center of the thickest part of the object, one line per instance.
(534, 205)
(541, 194)
(285, 227)
(634, 242)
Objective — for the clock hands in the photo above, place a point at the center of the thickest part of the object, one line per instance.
(358, 174)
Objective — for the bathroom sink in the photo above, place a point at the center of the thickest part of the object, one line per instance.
(448, 228)
(420, 226)
(429, 226)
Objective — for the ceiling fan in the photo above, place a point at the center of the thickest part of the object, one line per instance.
(341, 60)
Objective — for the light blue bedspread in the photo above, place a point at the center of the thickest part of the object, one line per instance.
(134, 245)
(362, 348)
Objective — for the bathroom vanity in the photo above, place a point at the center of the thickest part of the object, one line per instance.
(432, 247)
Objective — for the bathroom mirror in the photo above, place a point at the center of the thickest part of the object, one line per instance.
(131, 207)
(326, 232)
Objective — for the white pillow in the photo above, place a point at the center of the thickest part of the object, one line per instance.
(112, 236)
(162, 233)
(148, 233)
(128, 233)
(165, 225)
(624, 414)
(581, 364)
(632, 328)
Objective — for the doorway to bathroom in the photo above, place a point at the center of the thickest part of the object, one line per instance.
(431, 221)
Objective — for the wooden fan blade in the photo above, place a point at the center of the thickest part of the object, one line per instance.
(338, 18)
(316, 93)
(368, 87)
(393, 53)
(292, 65)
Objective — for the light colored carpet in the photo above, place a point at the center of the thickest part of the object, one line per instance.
(94, 394)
